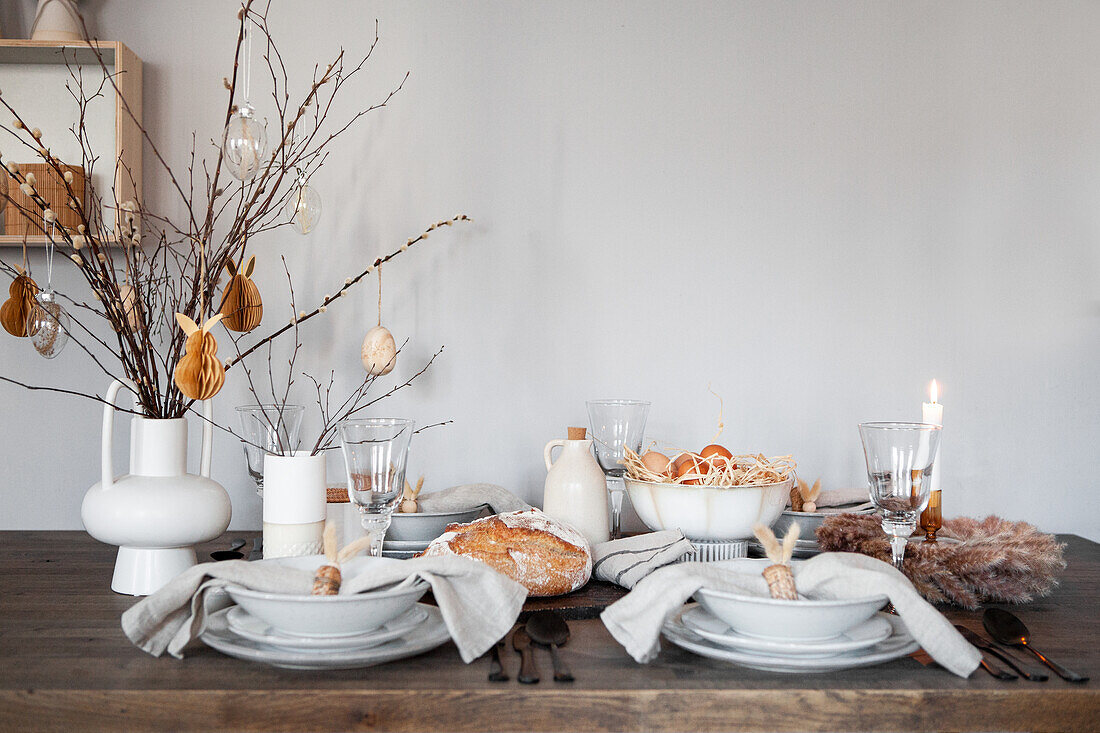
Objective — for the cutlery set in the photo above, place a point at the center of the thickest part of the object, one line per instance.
(1007, 629)
(545, 629)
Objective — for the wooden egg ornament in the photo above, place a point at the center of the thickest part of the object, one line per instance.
(379, 351)
(241, 304)
(199, 374)
(16, 309)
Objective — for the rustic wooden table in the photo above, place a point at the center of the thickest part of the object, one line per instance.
(65, 665)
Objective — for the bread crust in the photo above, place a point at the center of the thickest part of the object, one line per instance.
(547, 557)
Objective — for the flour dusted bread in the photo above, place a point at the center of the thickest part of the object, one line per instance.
(547, 557)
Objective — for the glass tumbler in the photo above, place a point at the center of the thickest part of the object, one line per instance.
(268, 429)
(899, 459)
(376, 450)
(615, 426)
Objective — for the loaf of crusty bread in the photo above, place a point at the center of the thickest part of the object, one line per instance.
(547, 557)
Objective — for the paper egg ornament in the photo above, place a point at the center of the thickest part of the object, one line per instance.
(128, 304)
(379, 351)
(17, 308)
(241, 304)
(199, 374)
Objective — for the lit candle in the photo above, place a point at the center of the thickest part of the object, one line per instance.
(932, 412)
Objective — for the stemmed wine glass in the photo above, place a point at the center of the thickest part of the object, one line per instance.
(268, 429)
(899, 467)
(376, 450)
(616, 425)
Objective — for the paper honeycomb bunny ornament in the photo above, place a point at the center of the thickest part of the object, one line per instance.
(16, 309)
(199, 374)
(241, 304)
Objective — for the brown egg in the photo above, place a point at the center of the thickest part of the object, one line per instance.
(657, 462)
(691, 466)
(717, 456)
(680, 460)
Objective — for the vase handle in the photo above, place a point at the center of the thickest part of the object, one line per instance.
(547, 452)
(207, 438)
(107, 460)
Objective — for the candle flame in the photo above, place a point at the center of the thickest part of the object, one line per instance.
(934, 391)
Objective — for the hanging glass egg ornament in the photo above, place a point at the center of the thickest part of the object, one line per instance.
(304, 207)
(48, 325)
(245, 143)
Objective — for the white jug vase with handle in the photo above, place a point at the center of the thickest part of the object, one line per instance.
(158, 511)
(576, 491)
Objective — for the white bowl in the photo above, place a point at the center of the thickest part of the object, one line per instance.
(426, 526)
(808, 522)
(339, 615)
(804, 619)
(708, 512)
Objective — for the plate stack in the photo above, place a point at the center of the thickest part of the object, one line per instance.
(326, 632)
(808, 522)
(412, 533)
(789, 636)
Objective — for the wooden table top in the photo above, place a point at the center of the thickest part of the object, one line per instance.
(65, 665)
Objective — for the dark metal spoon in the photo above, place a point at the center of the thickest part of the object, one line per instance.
(496, 668)
(1008, 629)
(528, 672)
(548, 628)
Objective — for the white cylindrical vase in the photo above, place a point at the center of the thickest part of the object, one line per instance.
(294, 504)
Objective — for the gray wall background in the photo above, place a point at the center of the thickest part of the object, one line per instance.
(815, 208)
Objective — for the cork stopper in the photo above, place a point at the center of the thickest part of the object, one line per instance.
(781, 582)
(577, 433)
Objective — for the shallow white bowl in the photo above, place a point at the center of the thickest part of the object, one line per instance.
(804, 619)
(339, 615)
(808, 522)
(426, 526)
(708, 512)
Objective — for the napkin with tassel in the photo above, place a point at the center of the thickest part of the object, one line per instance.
(478, 604)
(636, 620)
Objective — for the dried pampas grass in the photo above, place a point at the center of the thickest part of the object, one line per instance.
(994, 561)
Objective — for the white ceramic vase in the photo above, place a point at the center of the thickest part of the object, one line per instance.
(295, 499)
(158, 511)
(57, 20)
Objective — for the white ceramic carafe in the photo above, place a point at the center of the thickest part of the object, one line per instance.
(576, 491)
(158, 511)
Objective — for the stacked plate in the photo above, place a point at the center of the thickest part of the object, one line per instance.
(806, 635)
(326, 632)
(412, 533)
(808, 522)
(880, 639)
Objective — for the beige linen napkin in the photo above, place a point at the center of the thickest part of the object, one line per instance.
(636, 620)
(630, 559)
(479, 605)
(467, 496)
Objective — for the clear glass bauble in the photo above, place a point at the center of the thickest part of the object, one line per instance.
(245, 143)
(48, 325)
(304, 208)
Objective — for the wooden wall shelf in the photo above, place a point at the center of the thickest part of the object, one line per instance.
(127, 139)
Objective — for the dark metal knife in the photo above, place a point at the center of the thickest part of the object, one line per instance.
(528, 672)
(496, 669)
(986, 646)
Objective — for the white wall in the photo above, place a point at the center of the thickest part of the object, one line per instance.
(814, 207)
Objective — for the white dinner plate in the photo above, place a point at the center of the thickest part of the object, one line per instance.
(405, 546)
(705, 624)
(898, 644)
(254, 629)
(431, 632)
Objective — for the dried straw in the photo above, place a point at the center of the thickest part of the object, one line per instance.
(742, 470)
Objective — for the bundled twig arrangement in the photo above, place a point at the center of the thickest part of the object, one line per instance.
(143, 267)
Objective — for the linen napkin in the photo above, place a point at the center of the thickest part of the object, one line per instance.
(842, 497)
(478, 604)
(630, 559)
(467, 496)
(636, 620)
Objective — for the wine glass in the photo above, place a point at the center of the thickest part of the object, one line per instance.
(899, 459)
(376, 450)
(268, 429)
(616, 425)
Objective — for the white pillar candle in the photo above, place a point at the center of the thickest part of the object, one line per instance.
(932, 412)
